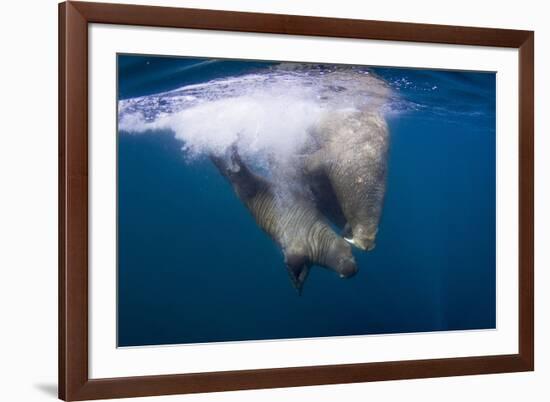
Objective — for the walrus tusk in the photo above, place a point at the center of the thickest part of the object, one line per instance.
(350, 241)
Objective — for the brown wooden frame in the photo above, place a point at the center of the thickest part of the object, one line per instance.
(74, 382)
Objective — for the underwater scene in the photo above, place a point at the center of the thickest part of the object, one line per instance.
(273, 200)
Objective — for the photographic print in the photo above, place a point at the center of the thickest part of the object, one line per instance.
(262, 200)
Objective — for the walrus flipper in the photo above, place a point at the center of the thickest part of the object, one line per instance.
(326, 199)
(298, 269)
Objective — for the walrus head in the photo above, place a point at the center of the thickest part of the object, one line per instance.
(339, 258)
(362, 237)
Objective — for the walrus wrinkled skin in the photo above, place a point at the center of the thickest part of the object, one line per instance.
(295, 224)
(352, 158)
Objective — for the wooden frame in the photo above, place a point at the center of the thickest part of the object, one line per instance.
(74, 382)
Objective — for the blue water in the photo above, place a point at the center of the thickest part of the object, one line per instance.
(193, 266)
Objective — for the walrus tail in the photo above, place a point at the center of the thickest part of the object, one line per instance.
(228, 164)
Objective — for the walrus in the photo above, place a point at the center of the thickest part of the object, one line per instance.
(347, 172)
(295, 224)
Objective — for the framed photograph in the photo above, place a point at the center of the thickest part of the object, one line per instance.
(259, 200)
